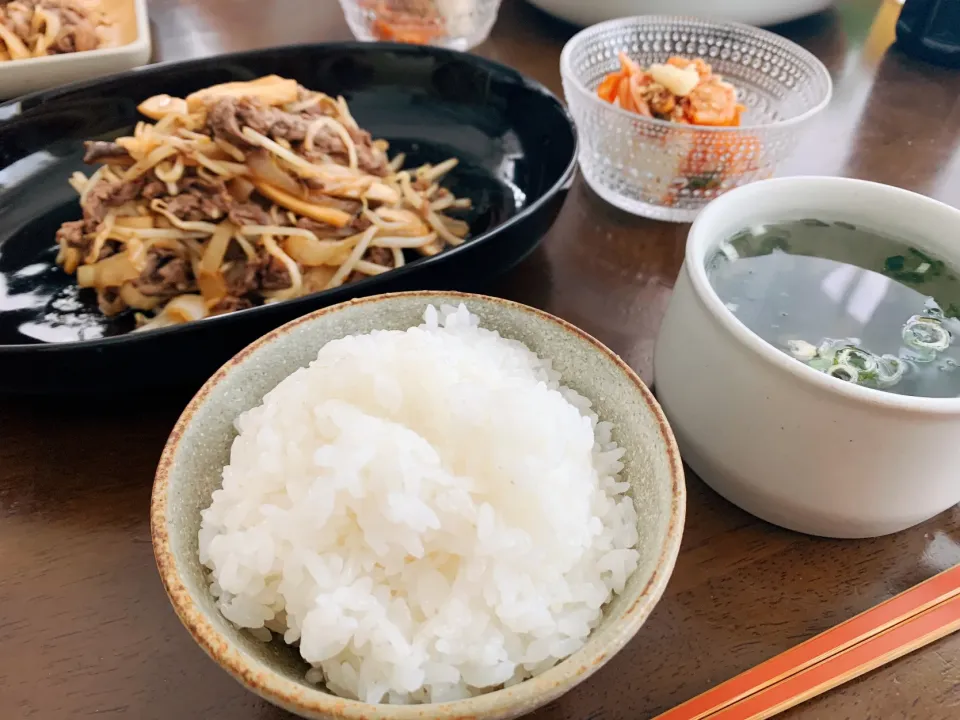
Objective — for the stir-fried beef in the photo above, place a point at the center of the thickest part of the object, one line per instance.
(194, 205)
(273, 275)
(154, 189)
(228, 304)
(240, 277)
(202, 200)
(77, 33)
(209, 183)
(322, 229)
(166, 274)
(228, 116)
(225, 117)
(97, 150)
(18, 18)
(328, 143)
(247, 213)
(71, 234)
(360, 223)
(348, 206)
(110, 302)
(380, 256)
(106, 195)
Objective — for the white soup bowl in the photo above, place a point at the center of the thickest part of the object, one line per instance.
(787, 443)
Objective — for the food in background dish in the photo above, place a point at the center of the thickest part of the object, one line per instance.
(245, 193)
(409, 21)
(420, 22)
(855, 304)
(35, 28)
(686, 92)
(429, 514)
(681, 91)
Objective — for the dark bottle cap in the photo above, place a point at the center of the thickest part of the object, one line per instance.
(930, 30)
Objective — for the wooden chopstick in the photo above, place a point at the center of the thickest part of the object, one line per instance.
(923, 629)
(861, 627)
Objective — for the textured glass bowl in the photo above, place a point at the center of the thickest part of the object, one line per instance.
(466, 23)
(669, 171)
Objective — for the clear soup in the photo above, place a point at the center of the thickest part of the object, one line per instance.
(850, 302)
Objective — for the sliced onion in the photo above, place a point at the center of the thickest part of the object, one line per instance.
(182, 309)
(311, 252)
(404, 242)
(217, 247)
(296, 279)
(159, 106)
(341, 132)
(190, 225)
(240, 189)
(136, 299)
(371, 268)
(186, 308)
(329, 215)
(153, 157)
(15, 47)
(114, 271)
(134, 221)
(263, 167)
(344, 270)
(315, 279)
(212, 285)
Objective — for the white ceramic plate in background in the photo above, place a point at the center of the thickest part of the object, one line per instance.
(18, 77)
(751, 12)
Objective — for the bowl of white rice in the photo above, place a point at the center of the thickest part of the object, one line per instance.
(418, 505)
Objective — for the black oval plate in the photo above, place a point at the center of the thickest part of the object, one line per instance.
(516, 144)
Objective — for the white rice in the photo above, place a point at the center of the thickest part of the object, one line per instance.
(428, 514)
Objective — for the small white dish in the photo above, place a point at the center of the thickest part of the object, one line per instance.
(18, 77)
(750, 12)
(787, 443)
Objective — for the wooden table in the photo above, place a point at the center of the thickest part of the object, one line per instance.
(85, 627)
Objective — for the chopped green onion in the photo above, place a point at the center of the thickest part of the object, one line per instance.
(890, 370)
(844, 372)
(863, 361)
(802, 350)
(926, 334)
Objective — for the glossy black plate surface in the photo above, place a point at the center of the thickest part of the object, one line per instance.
(515, 142)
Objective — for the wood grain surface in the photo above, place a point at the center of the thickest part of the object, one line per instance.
(85, 627)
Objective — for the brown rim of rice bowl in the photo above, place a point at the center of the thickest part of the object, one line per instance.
(497, 704)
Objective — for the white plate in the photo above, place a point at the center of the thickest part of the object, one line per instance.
(751, 12)
(18, 77)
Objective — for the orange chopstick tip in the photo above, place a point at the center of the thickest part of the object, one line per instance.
(885, 647)
(891, 614)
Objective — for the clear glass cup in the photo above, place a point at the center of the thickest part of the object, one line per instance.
(455, 24)
(670, 171)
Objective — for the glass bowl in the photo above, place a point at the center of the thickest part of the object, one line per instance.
(454, 24)
(669, 171)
